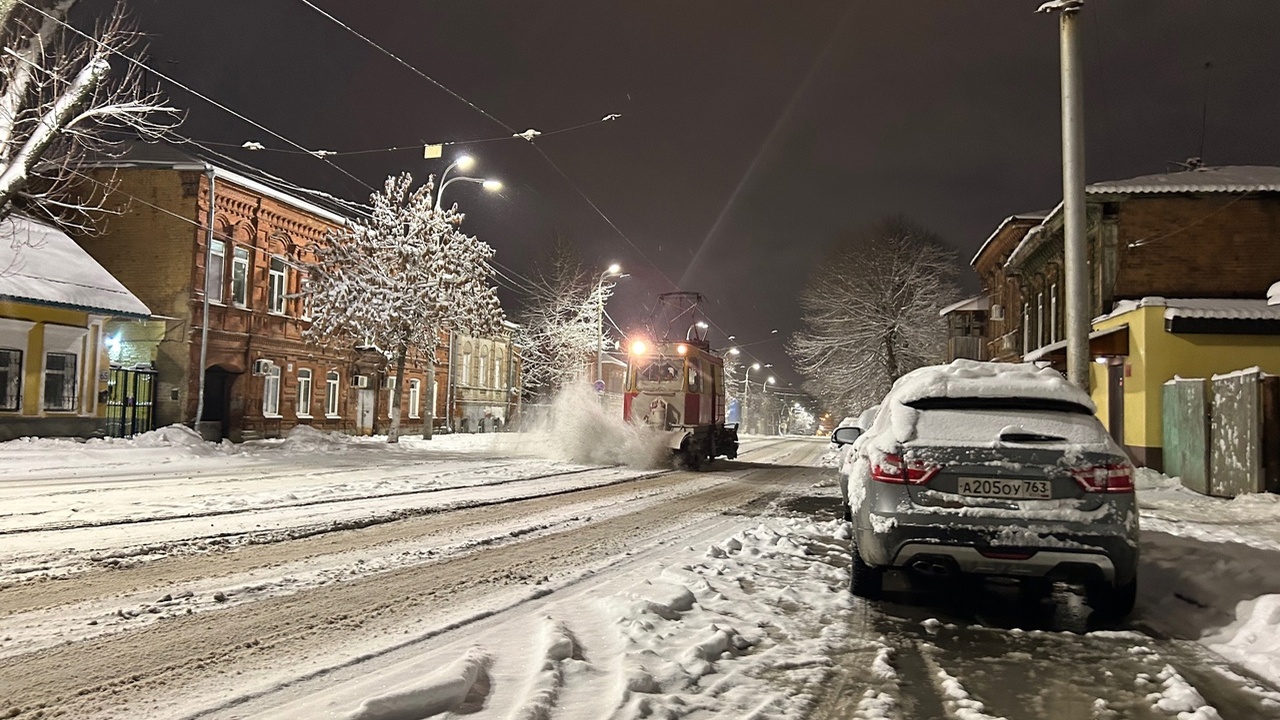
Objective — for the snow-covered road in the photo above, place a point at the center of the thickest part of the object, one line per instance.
(473, 576)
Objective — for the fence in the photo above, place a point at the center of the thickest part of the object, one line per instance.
(1223, 437)
(131, 399)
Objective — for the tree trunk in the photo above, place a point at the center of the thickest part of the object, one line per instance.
(891, 355)
(393, 434)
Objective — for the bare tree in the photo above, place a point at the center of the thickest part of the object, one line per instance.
(62, 94)
(871, 313)
(399, 279)
(559, 327)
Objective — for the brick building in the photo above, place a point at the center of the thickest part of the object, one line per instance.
(259, 376)
(1002, 332)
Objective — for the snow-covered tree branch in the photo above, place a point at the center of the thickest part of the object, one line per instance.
(560, 329)
(871, 313)
(65, 93)
(399, 279)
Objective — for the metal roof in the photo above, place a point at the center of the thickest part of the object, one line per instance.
(1225, 179)
(1209, 308)
(976, 303)
(1033, 216)
(40, 264)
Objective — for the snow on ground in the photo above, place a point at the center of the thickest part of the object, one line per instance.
(699, 630)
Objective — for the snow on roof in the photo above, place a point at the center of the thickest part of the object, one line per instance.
(974, 379)
(1273, 294)
(1211, 308)
(1225, 179)
(41, 264)
(973, 304)
(1034, 216)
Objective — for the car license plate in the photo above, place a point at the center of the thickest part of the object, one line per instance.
(1011, 489)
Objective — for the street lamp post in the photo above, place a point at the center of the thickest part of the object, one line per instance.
(463, 163)
(746, 393)
(613, 271)
(763, 395)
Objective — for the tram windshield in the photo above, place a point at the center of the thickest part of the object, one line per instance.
(660, 373)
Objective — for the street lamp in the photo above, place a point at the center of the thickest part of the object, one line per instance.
(763, 387)
(613, 270)
(746, 393)
(463, 163)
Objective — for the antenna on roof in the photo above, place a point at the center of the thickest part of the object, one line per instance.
(1204, 113)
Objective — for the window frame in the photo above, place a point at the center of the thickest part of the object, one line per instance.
(216, 291)
(271, 392)
(1040, 319)
(332, 384)
(277, 286)
(73, 376)
(1053, 313)
(303, 409)
(16, 381)
(415, 397)
(242, 261)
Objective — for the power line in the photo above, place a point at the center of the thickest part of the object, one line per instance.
(206, 98)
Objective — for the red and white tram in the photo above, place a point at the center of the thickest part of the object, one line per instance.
(676, 387)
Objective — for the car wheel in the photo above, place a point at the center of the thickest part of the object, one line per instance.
(1114, 601)
(865, 581)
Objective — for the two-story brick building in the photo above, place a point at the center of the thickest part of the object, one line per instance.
(248, 371)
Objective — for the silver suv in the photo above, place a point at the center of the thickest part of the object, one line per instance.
(992, 469)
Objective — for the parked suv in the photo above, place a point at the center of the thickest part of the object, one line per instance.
(992, 469)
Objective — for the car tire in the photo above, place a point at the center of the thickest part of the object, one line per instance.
(1114, 602)
(865, 581)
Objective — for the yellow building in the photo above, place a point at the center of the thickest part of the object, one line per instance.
(1143, 344)
(55, 301)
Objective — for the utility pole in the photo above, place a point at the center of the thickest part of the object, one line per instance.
(1075, 255)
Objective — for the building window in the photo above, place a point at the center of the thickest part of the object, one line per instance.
(59, 381)
(304, 393)
(331, 386)
(415, 395)
(465, 373)
(484, 367)
(1039, 320)
(304, 297)
(277, 277)
(271, 392)
(1026, 329)
(499, 380)
(240, 277)
(1053, 312)
(214, 274)
(10, 379)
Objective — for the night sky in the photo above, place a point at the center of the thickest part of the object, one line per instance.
(751, 133)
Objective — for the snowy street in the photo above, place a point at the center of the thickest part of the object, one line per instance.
(481, 576)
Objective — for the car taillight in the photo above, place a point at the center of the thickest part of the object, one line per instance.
(892, 469)
(1105, 478)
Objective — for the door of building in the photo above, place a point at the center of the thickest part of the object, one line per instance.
(1115, 401)
(364, 410)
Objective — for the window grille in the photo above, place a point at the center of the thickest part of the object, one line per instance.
(10, 379)
(59, 382)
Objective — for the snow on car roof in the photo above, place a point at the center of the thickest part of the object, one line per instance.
(973, 379)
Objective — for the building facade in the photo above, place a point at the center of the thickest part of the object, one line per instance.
(56, 303)
(249, 371)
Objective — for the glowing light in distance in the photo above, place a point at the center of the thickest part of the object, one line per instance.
(681, 349)
(614, 269)
(639, 347)
(492, 185)
(465, 162)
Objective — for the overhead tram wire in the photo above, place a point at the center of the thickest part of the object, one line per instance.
(202, 96)
(504, 126)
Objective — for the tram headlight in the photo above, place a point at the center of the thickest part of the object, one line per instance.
(682, 349)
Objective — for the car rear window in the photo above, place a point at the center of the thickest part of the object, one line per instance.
(998, 403)
(987, 428)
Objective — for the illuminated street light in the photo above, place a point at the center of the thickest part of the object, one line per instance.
(463, 163)
(614, 270)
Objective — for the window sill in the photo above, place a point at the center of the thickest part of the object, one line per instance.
(273, 313)
(301, 416)
(415, 417)
(272, 416)
(332, 417)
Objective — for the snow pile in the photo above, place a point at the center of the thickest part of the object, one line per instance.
(170, 436)
(580, 429)
(445, 690)
(304, 438)
(1253, 640)
(1177, 696)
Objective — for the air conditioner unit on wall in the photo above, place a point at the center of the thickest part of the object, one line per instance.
(360, 381)
(262, 366)
(997, 312)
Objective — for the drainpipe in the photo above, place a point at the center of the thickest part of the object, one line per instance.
(448, 389)
(204, 324)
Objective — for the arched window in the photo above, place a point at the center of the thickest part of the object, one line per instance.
(484, 366)
(464, 373)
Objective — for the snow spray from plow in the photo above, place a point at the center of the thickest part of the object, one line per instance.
(578, 428)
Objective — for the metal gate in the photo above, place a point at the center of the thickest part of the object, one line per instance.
(131, 399)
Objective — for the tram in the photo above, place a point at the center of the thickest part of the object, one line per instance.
(676, 387)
